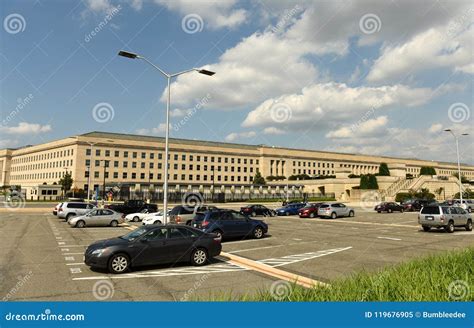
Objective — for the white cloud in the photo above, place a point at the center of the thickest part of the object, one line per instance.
(215, 13)
(273, 130)
(433, 48)
(435, 128)
(336, 102)
(235, 135)
(99, 5)
(370, 127)
(179, 112)
(25, 128)
(161, 129)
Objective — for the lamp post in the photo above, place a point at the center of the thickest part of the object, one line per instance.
(168, 76)
(106, 162)
(459, 162)
(91, 144)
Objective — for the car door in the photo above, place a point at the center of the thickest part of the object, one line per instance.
(178, 245)
(92, 218)
(152, 248)
(242, 225)
(105, 217)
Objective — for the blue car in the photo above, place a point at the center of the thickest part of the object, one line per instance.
(290, 209)
(229, 223)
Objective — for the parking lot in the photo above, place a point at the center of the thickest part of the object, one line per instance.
(42, 257)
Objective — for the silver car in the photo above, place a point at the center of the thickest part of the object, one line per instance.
(467, 204)
(97, 217)
(69, 209)
(335, 210)
(447, 217)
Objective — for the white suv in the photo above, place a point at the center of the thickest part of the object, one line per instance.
(70, 209)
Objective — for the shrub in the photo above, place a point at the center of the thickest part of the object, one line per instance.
(383, 169)
(427, 170)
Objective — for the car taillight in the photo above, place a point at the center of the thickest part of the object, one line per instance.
(217, 239)
(442, 218)
(178, 219)
(204, 223)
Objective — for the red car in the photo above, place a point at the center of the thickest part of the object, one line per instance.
(309, 211)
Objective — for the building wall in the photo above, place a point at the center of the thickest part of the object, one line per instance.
(191, 162)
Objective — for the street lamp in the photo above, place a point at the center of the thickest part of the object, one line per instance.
(91, 144)
(459, 162)
(131, 55)
(106, 163)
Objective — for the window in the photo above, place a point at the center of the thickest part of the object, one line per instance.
(88, 162)
(183, 157)
(191, 157)
(143, 155)
(106, 174)
(183, 177)
(97, 162)
(134, 175)
(175, 166)
(160, 156)
(151, 165)
(125, 164)
(115, 175)
(116, 163)
(96, 174)
(116, 153)
(86, 174)
(152, 156)
(125, 154)
(134, 165)
(150, 176)
(156, 235)
(134, 154)
(142, 165)
(124, 175)
(97, 152)
(142, 176)
(107, 153)
(88, 152)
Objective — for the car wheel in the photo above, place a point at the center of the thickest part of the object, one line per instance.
(258, 233)
(333, 215)
(426, 228)
(119, 263)
(135, 219)
(114, 223)
(351, 213)
(157, 222)
(311, 215)
(70, 215)
(80, 224)
(218, 233)
(273, 213)
(254, 214)
(287, 213)
(469, 225)
(379, 211)
(199, 257)
(402, 210)
(450, 227)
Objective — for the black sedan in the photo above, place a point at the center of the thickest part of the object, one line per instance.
(254, 210)
(153, 244)
(389, 207)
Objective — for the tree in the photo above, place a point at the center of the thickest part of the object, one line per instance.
(427, 170)
(383, 170)
(258, 179)
(66, 182)
(368, 181)
(463, 178)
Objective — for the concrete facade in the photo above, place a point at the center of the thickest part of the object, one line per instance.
(139, 161)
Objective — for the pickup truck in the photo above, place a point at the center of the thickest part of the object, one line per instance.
(133, 206)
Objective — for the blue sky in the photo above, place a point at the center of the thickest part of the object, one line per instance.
(359, 77)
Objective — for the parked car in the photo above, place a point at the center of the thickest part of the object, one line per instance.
(414, 205)
(309, 211)
(136, 217)
(467, 204)
(447, 217)
(291, 209)
(153, 218)
(184, 214)
(389, 207)
(284, 203)
(97, 217)
(133, 206)
(151, 245)
(71, 209)
(254, 210)
(335, 210)
(56, 208)
(230, 223)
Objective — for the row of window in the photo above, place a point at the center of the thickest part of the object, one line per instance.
(176, 157)
(39, 176)
(304, 171)
(44, 156)
(183, 177)
(40, 166)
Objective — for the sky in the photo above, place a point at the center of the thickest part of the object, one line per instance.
(369, 77)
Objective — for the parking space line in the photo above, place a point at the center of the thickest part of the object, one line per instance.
(389, 238)
(75, 263)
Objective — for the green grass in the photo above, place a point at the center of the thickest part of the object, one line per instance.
(423, 279)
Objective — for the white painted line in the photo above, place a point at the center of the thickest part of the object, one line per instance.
(61, 242)
(389, 238)
(297, 239)
(75, 263)
(69, 258)
(64, 249)
(82, 253)
(246, 241)
(75, 270)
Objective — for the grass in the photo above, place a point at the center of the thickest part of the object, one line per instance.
(423, 279)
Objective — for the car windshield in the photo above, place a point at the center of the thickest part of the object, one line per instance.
(324, 206)
(131, 236)
(430, 210)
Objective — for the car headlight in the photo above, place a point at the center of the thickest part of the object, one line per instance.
(98, 252)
